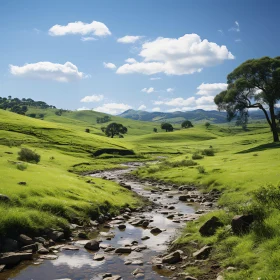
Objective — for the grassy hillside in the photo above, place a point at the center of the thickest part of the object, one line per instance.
(243, 164)
(51, 195)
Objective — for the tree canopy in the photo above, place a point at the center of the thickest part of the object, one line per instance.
(253, 84)
(167, 126)
(186, 124)
(114, 129)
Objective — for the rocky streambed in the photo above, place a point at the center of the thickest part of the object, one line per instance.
(133, 245)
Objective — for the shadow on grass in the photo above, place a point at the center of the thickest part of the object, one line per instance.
(260, 148)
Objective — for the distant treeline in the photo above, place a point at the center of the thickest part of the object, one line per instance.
(20, 106)
(103, 120)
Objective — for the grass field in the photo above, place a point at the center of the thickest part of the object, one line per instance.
(242, 163)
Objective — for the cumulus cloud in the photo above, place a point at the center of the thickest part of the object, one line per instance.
(128, 39)
(142, 107)
(156, 109)
(131, 60)
(49, 71)
(92, 98)
(185, 55)
(155, 78)
(83, 109)
(170, 90)
(177, 102)
(109, 65)
(148, 90)
(78, 27)
(112, 108)
(236, 27)
(85, 39)
(211, 89)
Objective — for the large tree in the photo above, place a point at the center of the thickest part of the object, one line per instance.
(114, 129)
(186, 124)
(253, 84)
(167, 127)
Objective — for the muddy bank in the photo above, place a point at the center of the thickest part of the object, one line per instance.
(131, 245)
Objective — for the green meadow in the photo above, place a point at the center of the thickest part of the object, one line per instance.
(224, 157)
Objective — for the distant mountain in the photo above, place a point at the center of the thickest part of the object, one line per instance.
(198, 115)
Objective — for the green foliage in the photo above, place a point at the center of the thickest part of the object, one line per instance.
(103, 119)
(268, 196)
(186, 124)
(208, 152)
(87, 130)
(22, 166)
(201, 169)
(167, 126)
(155, 129)
(196, 155)
(114, 129)
(207, 124)
(28, 155)
(261, 74)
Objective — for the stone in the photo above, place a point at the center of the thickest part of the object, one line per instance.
(106, 275)
(9, 245)
(209, 227)
(190, 278)
(145, 238)
(128, 262)
(42, 250)
(145, 223)
(121, 226)
(137, 262)
(137, 271)
(172, 258)
(56, 235)
(123, 250)
(82, 235)
(220, 277)
(2, 267)
(98, 257)
(241, 223)
(203, 253)
(48, 257)
(39, 239)
(156, 230)
(4, 198)
(22, 183)
(183, 197)
(33, 247)
(92, 245)
(25, 240)
(14, 258)
(114, 277)
(69, 248)
(109, 249)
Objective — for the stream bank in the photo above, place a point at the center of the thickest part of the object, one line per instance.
(131, 245)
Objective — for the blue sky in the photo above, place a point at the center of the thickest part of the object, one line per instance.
(76, 54)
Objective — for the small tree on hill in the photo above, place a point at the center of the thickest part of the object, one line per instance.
(155, 130)
(186, 124)
(28, 155)
(207, 124)
(253, 84)
(167, 126)
(115, 129)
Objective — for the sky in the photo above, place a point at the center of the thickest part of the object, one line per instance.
(111, 56)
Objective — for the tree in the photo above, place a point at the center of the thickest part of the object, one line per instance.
(186, 124)
(115, 129)
(253, 84)
(155, 129)
(207, 124)
(167, 127)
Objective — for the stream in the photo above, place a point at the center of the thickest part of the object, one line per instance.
(79, 264)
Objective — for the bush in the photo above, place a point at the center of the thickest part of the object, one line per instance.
(87, 130)
(21, 166)
(201, 169)
(28, 155)
(196, 155)
(208, 152)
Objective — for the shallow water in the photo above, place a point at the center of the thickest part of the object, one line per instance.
(79, 265)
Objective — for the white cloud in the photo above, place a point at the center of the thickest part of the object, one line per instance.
(211, 89)
(85, 39)
(112, 108)
(236, 27)
(49, 71)
(221, 31)
(130, 60)
(155, 78)
(109, 65)
(185, 55)
(95, 28)
(92, 98)
(148, 90)
(238, 40)
(178, 102)
(156, 109)
(83, 109)
(170, 90)
(128, 39)
(142, 107)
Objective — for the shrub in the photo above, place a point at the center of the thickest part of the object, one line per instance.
(87, 130)
(208, 152)
(201, 169)
(21, 166)
(196, 155)
(28, 155)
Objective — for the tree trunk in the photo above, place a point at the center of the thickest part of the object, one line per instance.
(273, 124)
